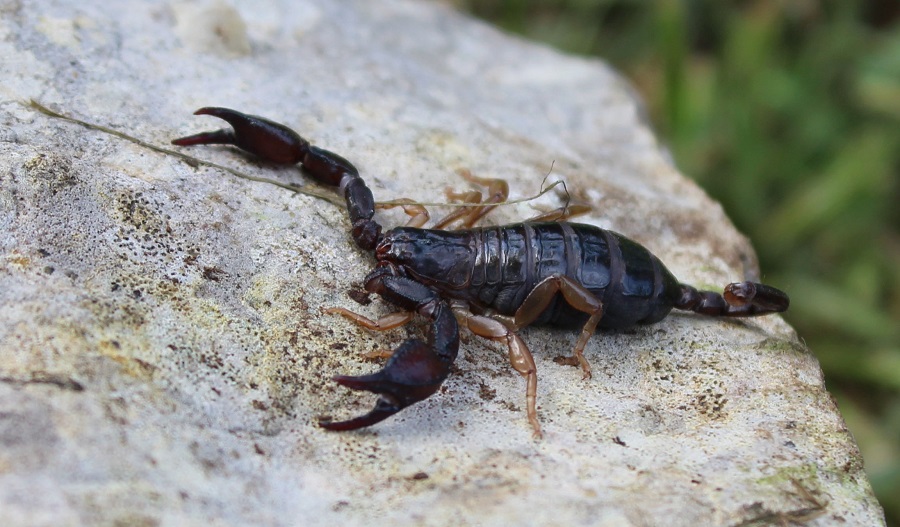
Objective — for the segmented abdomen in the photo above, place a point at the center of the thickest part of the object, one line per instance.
(632, 284)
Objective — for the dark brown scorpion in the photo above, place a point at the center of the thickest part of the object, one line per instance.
(492, 280)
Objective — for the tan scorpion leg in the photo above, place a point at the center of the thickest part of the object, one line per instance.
(389, 321)
(418, 214)
(560, 214)
(497, 189)
(577, 296)
(519, 356)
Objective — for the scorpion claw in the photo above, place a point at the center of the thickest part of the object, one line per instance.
(218, 137)
(384, 408)
(267, 139)
(412, 374)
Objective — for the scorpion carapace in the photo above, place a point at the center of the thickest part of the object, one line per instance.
(493, 280)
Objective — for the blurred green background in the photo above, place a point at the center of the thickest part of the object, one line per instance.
(788, 112)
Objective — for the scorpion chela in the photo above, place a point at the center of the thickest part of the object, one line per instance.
(492, 280)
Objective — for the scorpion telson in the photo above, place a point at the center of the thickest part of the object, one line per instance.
(492, 280)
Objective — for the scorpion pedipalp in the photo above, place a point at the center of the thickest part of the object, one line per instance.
(413, 373)
(276, 143)
(416, 369)
(264, 138)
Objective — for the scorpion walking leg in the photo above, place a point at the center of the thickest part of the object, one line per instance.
(471, 197)
(416, 369)
(560, 214)
(519, 356)
(498, 191)
(387, 322)
(577, 296)
(418, 214)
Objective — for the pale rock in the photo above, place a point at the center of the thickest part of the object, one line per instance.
(163, 354)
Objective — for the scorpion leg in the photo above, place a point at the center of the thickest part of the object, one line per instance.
(277, 143)
(472, 197)
(561, 214)
(577, 296)
(385, 323)
(389, 321)
(519, 356)
(498, 191)
(416, 369)
(418, 214)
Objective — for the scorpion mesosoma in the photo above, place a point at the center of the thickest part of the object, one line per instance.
(492, 280)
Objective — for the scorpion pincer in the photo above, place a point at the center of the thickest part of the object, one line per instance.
(492, 280)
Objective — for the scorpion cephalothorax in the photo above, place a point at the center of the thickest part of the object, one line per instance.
(493, 280)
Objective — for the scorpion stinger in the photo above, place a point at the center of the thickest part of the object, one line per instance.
(740, 299)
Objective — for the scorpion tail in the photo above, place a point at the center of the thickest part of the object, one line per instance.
(740, 299)
(276, 143)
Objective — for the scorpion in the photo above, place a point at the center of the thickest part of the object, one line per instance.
(493, 280)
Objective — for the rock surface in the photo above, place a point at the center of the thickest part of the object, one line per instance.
(163, 356)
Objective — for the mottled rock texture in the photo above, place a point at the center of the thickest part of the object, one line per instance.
(163, 355)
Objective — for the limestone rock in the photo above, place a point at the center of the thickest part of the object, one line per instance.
(163, 355)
